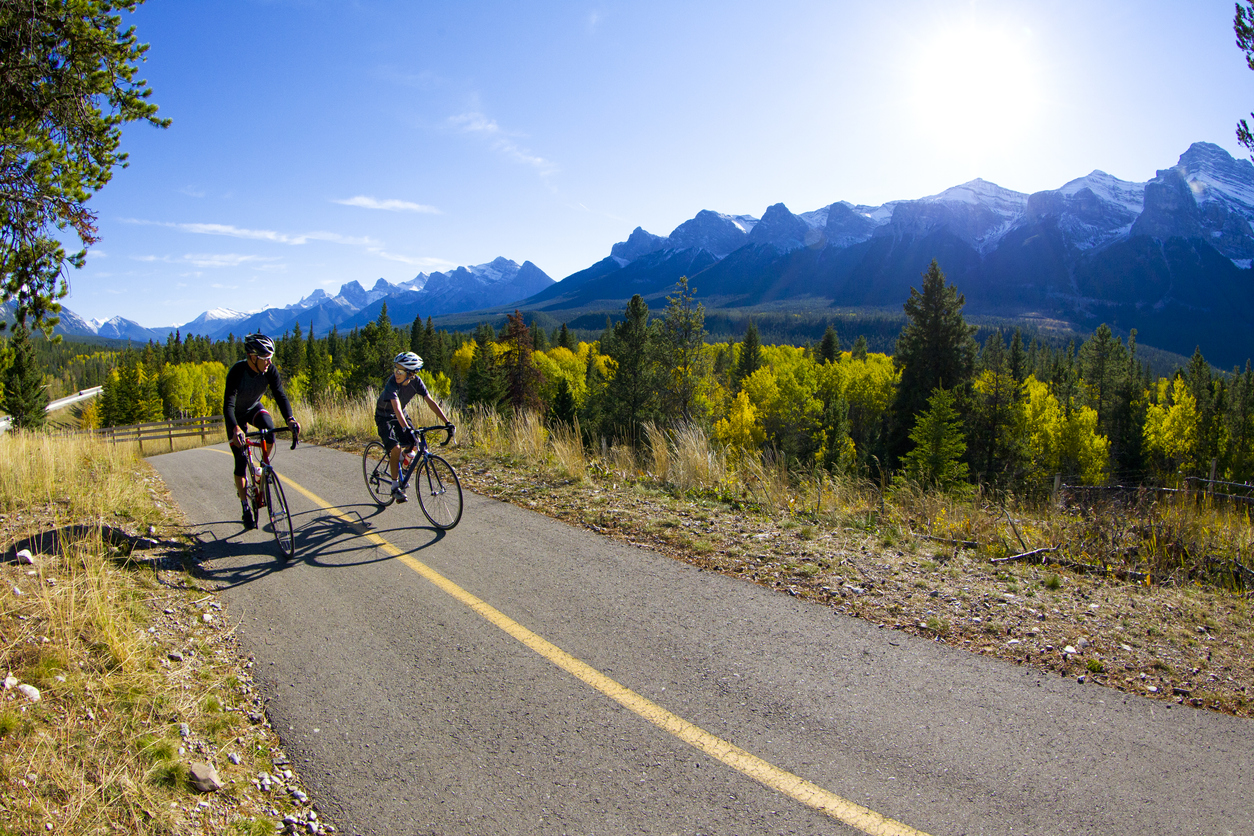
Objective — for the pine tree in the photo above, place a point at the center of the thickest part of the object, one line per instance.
(25, 398)
(750, 356)
(316, 368)
(563, 408)
(936, 460)
(522, 378)
(936, 350)
(564, 338)
(1017, 361)
(685, 367)
(859, 348)
(829, 348)
(417, 339)
(631, 395)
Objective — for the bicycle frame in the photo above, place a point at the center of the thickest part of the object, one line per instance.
(265, 490)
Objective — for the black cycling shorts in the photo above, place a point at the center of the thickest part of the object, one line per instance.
(262, 420)
(389, 431)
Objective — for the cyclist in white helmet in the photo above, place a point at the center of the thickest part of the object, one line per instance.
(245, 383)
(389, 412)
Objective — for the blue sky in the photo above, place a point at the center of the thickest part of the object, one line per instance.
(316, 142)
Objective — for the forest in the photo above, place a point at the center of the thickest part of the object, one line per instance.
(943, 410)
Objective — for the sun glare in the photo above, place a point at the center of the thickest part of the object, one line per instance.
(975, 89)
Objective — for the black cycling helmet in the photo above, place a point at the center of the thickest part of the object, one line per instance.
(259, 344)
(408, 361)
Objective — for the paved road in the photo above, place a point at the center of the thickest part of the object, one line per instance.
(431, 683)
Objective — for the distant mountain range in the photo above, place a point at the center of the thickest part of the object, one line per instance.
(1171, 257)
(467, 288)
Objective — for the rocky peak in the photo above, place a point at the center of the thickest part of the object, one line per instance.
(637, 244)
(781, 228)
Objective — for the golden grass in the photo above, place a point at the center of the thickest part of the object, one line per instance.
(101, 751)
(1175, 538)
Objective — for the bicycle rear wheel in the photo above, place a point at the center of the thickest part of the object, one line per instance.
(439, 492)
(374, 466)
(280, 517)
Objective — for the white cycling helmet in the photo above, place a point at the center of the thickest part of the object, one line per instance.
(259, 344)
(408, 361)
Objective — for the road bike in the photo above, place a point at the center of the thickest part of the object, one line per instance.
(265, 490)
(434, 480)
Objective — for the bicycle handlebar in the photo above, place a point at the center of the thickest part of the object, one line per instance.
(447, 428)
(260, 433)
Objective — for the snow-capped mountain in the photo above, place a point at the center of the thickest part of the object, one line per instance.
(1170, 256)
(496, 283)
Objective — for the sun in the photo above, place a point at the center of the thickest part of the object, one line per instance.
(975, 89)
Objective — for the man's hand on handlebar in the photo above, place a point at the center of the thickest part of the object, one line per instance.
(451, 431)
(407, 436)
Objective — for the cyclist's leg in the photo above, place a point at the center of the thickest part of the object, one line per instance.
(241, 490)
(389, 434)
(261, 418)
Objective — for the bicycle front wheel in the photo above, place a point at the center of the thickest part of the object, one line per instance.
(439, 492)
(280, 517)
(374, 466)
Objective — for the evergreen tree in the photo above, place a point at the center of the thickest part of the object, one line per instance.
(936, 350)
(563, 408)
(631, 395)
(685, 367)
(485, 381)
(25, 398)
(69, 86)
(316, 366)
(565, 339)
(539, 339)
(859, 348)
(750, 356)
(418, 339)
(1018, 360)
(829, 348)
(522, 378)
(936, 460)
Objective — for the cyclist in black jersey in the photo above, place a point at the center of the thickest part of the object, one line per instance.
(246, 382)
(389, 412)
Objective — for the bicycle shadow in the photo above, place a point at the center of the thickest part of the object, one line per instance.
(322, 539)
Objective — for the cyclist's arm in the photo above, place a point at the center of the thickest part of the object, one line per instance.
(231, 392)
(398, 411)
(280, 396)
(435, 407)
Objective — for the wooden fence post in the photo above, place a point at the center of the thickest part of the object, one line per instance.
(1057, 486)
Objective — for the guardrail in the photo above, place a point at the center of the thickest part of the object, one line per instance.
(162, 430)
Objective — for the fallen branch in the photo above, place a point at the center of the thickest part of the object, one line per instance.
(1025, 555)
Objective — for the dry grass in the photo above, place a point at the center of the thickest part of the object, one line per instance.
(91, 624)
(569, 456)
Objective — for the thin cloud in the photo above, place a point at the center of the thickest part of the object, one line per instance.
(477, 124)
(388, 205)
(417, 261)
(260, 234)
(207, 259)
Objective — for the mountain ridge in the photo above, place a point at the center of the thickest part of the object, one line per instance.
(1170, 257)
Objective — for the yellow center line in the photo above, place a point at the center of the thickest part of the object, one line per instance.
(780, 780)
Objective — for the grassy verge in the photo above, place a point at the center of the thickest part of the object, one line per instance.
(120, 672)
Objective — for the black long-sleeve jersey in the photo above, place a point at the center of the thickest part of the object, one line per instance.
(244, 388)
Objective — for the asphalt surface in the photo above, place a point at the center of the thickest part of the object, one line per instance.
(409, 710)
